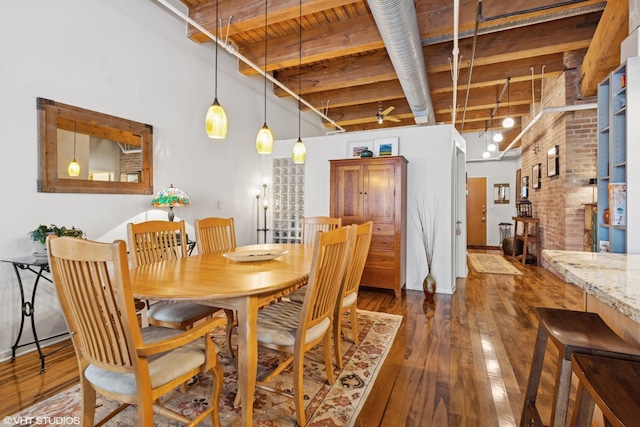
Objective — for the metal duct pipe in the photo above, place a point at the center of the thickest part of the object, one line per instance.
(398, 26)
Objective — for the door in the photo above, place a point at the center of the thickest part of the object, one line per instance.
(477, 211)
(379, 193)
(347, 198)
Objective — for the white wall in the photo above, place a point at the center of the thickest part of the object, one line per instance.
(496, 172)
(431, 153)
(130, 59)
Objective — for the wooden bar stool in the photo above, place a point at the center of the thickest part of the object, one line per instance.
(571, 332)
(610, 383)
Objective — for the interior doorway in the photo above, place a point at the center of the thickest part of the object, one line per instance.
(477, 211)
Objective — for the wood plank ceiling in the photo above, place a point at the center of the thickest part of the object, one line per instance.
(345, 64)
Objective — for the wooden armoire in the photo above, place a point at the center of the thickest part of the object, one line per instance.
(374, 189)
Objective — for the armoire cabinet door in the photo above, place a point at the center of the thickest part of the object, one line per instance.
(379, 193)
(349, 195)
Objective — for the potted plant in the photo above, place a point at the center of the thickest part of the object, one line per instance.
(39, 236)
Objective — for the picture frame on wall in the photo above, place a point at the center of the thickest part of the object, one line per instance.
(535, 176)
(385, 147)
(553, 161)
(355, 148)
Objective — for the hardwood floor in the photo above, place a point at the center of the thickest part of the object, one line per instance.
(461, 362)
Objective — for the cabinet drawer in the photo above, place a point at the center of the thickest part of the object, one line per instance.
(378, 278)
(383, 243)
(381, 259)
(382, 229)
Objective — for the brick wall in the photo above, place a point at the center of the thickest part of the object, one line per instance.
(559, 201)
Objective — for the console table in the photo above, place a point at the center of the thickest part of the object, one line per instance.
(37, 266)
(530, 234)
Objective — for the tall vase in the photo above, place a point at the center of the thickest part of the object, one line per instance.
(429, 287)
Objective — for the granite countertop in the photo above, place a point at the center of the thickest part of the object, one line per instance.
(612, 278)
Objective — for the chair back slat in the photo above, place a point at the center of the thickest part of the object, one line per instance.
(215, 234)
(154, 241)
(92, 282)
(313, 224)
(330, 257)
(355, 267)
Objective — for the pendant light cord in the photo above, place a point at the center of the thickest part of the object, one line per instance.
(75, 131)
(217, 41)
(300, 70)
(266, 2)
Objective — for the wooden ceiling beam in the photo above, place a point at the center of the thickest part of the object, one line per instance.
(483, 99)
(540, 40)
(487, 75)
(320, 43)
(430, 14)
(247, 15)
(603, 54)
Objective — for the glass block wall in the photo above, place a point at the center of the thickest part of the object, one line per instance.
(288, 200)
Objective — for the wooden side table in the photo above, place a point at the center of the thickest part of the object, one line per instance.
(528, 235)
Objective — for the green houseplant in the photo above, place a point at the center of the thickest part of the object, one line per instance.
(40, 233)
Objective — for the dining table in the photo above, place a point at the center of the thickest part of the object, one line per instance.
(244, 284)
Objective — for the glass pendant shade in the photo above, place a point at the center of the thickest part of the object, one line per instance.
(216, 121)
(498, 137)
(486, 155)
(508, 123)
(74, 168)
(264, 141)
(491, 147)
(299, 152)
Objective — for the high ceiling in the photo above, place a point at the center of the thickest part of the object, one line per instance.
(346, 67)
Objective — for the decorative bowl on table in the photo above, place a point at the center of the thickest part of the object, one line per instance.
(254, 255)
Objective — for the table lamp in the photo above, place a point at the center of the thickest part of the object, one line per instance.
(171, 196)
(593, 182)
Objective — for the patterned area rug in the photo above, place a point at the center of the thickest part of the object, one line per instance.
(492, 264)
(326, 405)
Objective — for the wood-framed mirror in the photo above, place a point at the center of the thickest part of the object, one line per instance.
(115, 154)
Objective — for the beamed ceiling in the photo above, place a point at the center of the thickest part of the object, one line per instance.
(345, 64)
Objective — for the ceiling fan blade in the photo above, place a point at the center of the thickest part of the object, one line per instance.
(392, 119)
(387, 111)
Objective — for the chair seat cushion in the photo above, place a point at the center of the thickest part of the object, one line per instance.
(163, 367)
(349, 299)
(298, 296)
(278, 322)
(178, 311)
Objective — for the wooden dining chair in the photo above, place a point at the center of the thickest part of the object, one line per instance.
(116, 357)
(216, 235)
(348, 296)
(294, 329)
(155, 241)
(311, 224)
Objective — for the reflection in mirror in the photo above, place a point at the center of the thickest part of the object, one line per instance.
(501, 193)
(114, 154)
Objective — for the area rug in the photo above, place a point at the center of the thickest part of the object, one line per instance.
(326, 405)
(492, 264)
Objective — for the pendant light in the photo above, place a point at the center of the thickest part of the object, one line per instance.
(508, 122)
(486, 153)
(264, 141)
(216, 119)
(299, 150)
(492, 146)
(497, 137)
(74, 166)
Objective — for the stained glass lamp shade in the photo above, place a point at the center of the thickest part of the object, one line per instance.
(170, 197)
